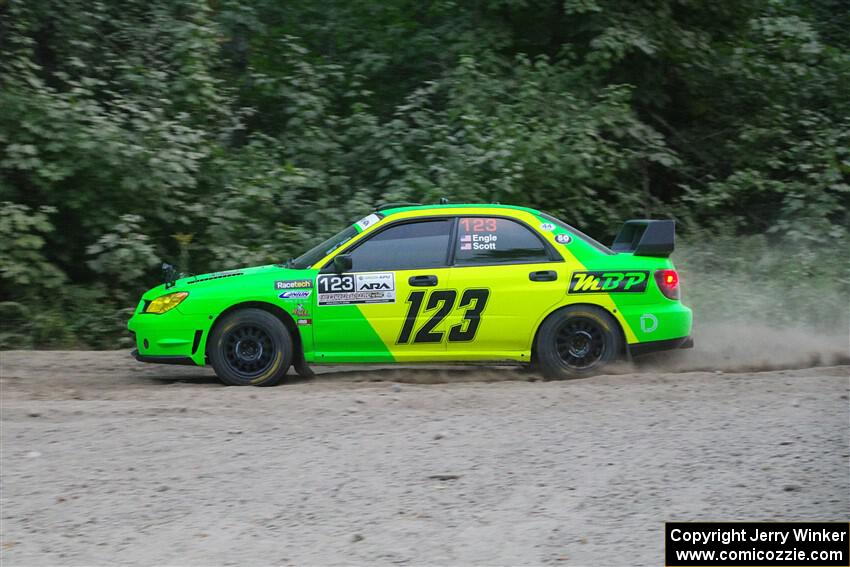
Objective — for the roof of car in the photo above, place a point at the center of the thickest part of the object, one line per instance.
(406, 208)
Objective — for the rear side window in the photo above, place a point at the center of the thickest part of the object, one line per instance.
(485, 240)
(408, 246)
(592, 241)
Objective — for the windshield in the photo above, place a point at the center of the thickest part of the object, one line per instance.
(590, 240)
(313, 255)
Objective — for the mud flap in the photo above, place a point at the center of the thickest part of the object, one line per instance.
(302, 369)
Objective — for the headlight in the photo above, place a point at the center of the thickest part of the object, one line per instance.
(165, 303)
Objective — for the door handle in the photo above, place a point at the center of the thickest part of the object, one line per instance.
(422, 281)
(543, 276)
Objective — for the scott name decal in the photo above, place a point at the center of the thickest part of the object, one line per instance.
(609, 282)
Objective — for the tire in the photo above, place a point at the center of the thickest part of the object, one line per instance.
(250, 347)
(577, 341)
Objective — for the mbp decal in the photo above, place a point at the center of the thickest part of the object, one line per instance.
(648, 322)
(301, 294)
(304, 322)
(347, 289)
(609, 282)
(293, 284)
(563, 238)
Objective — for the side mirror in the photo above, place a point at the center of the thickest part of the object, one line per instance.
(169, 275)
(342, 263)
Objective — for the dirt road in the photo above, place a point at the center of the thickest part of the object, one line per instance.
(107, 461)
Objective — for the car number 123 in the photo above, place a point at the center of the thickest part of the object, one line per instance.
(341, 283)
(472, 301)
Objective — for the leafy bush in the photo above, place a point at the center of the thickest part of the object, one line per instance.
(234, 133)
(23, 265)
(124, 254)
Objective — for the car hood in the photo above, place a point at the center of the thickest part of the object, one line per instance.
(229, 278)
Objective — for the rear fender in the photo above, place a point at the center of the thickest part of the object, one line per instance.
(595, 303)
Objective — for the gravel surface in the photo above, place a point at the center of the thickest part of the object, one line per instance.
(107, 461)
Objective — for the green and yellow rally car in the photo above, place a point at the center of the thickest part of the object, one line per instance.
(438, 283)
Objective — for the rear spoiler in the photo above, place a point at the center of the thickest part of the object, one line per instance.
(646, 238)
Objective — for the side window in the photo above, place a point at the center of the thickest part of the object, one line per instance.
(483, 240)
(408, 246)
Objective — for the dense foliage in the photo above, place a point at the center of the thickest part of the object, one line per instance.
(226, 133)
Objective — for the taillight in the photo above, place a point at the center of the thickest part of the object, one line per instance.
(668, 283)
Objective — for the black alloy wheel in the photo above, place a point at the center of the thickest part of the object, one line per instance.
(580, 342)
(250, 347)
(577, 341)
(248, 350)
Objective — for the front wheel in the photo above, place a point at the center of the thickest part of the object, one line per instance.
(577, 341)
(250, 347)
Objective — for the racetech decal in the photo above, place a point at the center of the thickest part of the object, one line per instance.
(609, 282)
(348, 289)
(293, 284)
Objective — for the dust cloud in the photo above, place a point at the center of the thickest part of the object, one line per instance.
(744, 328)
(760, 306)
(747, 346)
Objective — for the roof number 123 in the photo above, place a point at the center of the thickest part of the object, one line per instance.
(478, 225)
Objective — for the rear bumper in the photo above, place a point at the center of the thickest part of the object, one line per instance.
(163, 358)
(639, 349)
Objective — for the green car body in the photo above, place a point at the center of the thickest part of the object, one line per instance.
(488, 309)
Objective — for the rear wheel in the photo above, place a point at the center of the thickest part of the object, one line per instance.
(577, 341)
(250, 347)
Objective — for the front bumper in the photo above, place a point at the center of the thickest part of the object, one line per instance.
(170, 336)
(639, 349)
